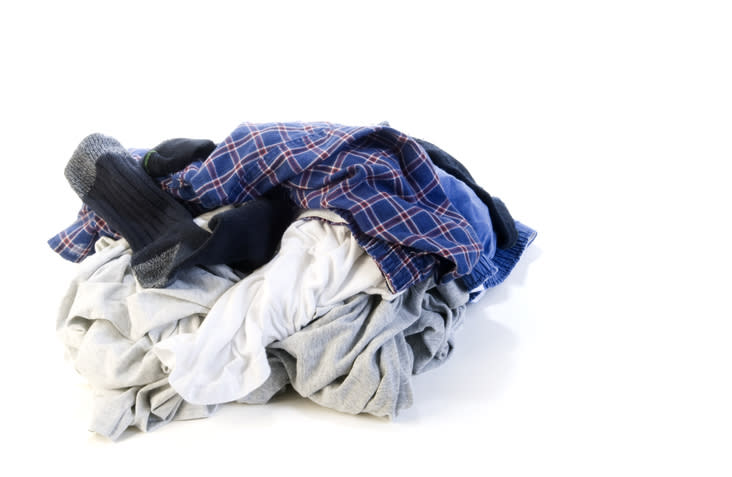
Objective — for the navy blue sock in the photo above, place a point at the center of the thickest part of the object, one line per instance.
(175, 154)
(160, 231)
(247, 236)
(162, 234)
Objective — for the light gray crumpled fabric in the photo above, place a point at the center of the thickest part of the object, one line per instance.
(360, 356)
(109, 324)
(357, 358)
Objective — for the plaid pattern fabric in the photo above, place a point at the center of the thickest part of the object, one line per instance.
(378, 179)
(77, 241)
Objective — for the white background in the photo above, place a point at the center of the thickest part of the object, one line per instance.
(606, 126)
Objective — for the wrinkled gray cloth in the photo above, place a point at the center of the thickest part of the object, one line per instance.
(357, 358)
(109, 324)
(360, 356)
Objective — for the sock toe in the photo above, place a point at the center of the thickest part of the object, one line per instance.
(80, 171)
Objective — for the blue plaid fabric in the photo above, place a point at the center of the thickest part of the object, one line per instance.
(77, 241)
(377, 178)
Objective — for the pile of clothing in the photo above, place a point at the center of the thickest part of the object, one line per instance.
(332, 259)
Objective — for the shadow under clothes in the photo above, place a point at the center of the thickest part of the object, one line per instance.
(359, 357)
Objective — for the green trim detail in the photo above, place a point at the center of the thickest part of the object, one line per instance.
(146, 159)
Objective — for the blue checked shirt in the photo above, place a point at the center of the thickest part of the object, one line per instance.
(377, 178)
